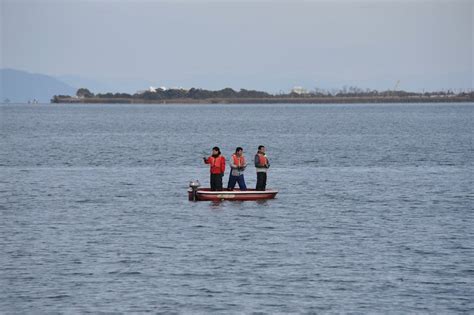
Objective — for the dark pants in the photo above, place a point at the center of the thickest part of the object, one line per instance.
(216, 182)
(261, 180)
(236, 179)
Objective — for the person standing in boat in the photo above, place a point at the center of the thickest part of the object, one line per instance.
(237, 167)
(261, 164)
(217, 162)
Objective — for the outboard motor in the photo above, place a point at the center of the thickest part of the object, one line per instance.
(194, 184)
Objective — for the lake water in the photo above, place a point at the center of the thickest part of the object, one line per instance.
(375, 211)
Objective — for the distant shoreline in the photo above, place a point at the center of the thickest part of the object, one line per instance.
(272, 100)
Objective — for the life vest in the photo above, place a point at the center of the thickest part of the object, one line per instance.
(238, 161)
(217, 164)
(262, 159)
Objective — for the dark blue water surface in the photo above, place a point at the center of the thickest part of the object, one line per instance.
(375, 211)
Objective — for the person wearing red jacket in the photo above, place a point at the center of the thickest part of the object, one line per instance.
(261, 164)
(217, 162)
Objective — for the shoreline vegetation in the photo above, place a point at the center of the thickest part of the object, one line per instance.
(349, 95)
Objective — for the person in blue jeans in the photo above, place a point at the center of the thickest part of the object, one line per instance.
(237, 167)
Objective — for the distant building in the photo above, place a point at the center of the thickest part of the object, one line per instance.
(299, 90)
(150, 89)
(161, 88)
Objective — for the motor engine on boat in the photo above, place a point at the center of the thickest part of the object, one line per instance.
(194, 185)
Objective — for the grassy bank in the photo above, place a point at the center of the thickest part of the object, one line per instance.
(271, 100)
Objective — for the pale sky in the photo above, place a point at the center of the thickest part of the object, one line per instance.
(266, 45)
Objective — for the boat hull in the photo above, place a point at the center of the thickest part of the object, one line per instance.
(205, 194)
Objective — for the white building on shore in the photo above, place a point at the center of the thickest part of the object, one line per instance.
(299, 90)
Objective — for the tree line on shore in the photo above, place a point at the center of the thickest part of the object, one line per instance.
(229, 93)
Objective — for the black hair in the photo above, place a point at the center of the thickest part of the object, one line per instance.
(217, 149)
(238, 149)
(260, 147)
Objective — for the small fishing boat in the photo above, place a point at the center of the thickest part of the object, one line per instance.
(205, 194)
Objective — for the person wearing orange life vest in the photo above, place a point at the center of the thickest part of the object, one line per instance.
(217, 162)
(237, 167)
(261, 164)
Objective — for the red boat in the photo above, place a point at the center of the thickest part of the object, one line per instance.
(205, 194)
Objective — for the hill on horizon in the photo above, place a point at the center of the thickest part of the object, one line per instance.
(21, 86)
